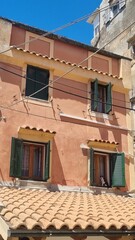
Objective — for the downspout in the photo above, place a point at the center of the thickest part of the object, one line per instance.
(99, 30)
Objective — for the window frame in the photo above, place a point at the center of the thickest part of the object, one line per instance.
(111, 13)
(16, 159)
(95, 98)
(33, 86)
(31, 161)
(116, 161)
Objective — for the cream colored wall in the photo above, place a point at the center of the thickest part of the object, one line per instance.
(5, 34)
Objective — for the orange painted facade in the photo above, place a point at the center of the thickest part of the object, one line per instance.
(68, 109)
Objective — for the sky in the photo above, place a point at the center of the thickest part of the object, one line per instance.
(50, 14)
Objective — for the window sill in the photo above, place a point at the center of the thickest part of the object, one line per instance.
(95, 122)
(37, 101)
(31, 183)
(101, 115)
(104, 190)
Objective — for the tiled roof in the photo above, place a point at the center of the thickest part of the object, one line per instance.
(65, 62)
(102, 141)
(103, 144)
(40, 209)
(37, 129)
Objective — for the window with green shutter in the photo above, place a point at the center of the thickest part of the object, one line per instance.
(36, 79)
(91, 167)
(29, 160)
(16, 157)
(107, 170)
(117, 167)
(101, 97)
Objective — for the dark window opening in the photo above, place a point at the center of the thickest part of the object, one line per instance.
(36, 79)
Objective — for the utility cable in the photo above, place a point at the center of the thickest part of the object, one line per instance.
(73, 94)
(77, 65)
(33, 80)
(39, 116)
(62, 84)
(74, 66)
(61, 27)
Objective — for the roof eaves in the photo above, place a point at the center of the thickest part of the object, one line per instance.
(74, 232)
(67, 63)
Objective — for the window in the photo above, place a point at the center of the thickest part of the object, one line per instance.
(115, 10)
(107, 170)
(96, 26)
(133, 51)
(36, 79)
(96, 30)
(29, 160)
(101, 99)
(115, 7)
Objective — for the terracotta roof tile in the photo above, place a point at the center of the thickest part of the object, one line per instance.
(41, 209)
(102, 141)
(37, 129)
(63, 61)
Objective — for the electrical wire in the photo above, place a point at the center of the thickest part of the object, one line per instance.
(62, 84)
(45, 117)
(67, 92)
(62, 27)
(30, 79)
(72, 68)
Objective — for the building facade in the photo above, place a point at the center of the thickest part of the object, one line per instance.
(114, 30)
(65, 124)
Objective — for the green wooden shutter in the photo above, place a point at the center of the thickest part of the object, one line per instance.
(91, 166)
(108, 98)
(30, 81)
(16, 157)
(95, 98)
(47, 162)
(117, 169)
(42, 77)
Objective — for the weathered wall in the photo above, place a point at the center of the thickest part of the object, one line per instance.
(76, 127)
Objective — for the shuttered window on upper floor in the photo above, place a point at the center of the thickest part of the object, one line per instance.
(101, 97)
(36, 79)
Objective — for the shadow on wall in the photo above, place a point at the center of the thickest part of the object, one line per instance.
(11, 74)
(56, 168)
(3, 182)
(1, 176)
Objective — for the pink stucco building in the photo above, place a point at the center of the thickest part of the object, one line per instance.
(65, 122)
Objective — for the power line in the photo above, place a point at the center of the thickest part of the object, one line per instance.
(71, 69)
(62, 27)
(65, 85)
(62, 84)
(54, 119)
(55, 87)
(73, 94)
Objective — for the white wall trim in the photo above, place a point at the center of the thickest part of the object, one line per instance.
(93, 121)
